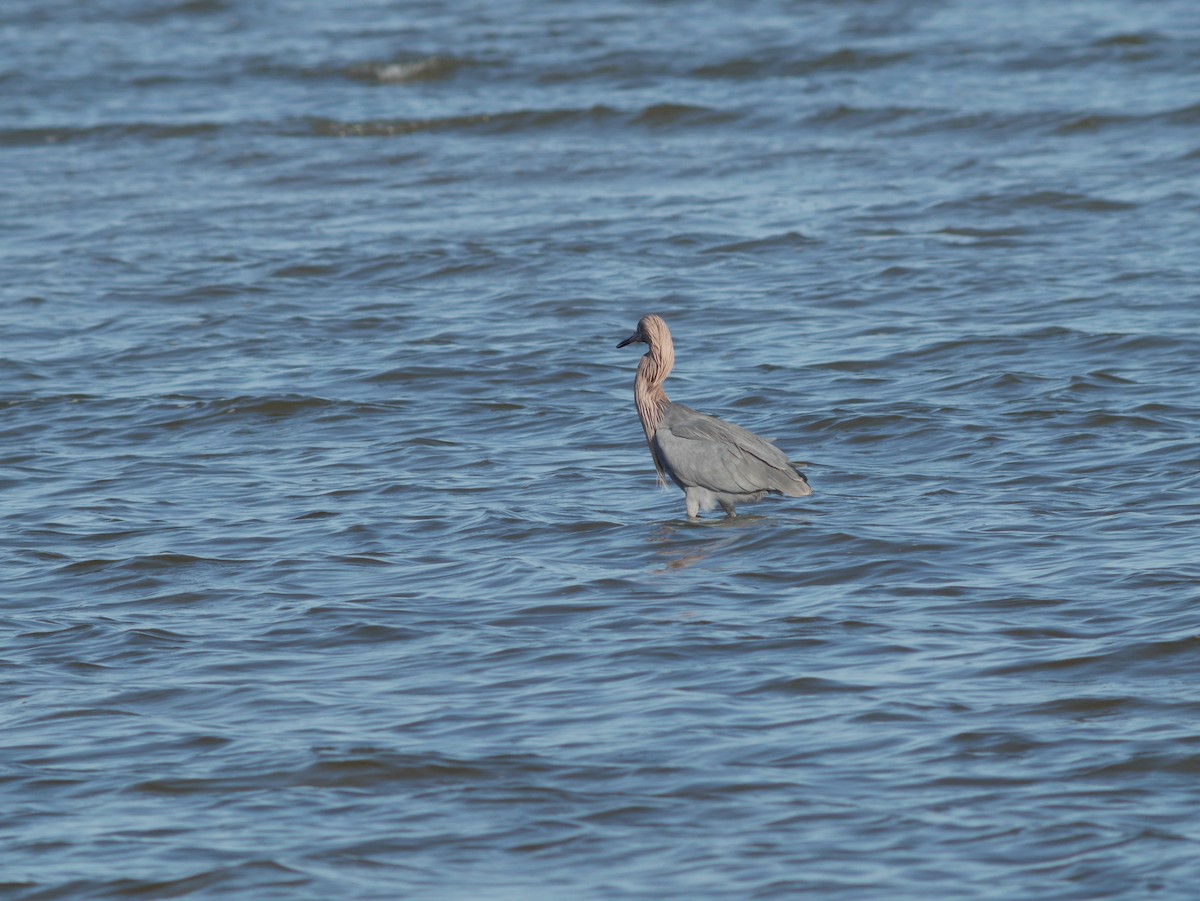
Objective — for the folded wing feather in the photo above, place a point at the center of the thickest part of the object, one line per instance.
(704, 451)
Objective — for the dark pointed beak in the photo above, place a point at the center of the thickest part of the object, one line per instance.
(634, 337)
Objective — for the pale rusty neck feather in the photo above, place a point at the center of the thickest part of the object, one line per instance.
(648, 393)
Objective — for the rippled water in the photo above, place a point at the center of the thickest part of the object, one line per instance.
(332, 558)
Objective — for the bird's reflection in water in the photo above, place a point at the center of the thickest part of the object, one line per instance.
(684, 544)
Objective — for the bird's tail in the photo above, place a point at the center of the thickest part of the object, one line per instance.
(795, 484)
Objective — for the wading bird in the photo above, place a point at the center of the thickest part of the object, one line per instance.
(713, 461)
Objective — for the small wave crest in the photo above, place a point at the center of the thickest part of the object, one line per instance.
(432, 68)
(660, 115)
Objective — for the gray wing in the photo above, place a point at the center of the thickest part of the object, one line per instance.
(708, 452)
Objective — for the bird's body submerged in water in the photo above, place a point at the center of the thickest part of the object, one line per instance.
(713, 461)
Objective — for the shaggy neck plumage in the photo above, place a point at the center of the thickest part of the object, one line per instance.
(648, 394)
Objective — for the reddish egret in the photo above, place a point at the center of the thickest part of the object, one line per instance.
(713, 461)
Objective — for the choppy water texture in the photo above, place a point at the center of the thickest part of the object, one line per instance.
(333, 563)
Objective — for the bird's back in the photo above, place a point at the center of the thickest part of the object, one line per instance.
(698, 450)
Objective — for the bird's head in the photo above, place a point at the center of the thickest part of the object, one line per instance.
(650, 330)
